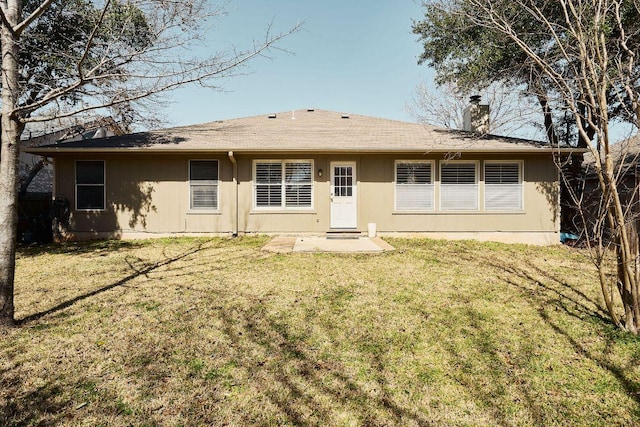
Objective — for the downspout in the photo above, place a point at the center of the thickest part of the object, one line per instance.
(234, 231)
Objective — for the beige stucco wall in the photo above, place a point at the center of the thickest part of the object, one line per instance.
(149, 194)
(540, 201)
(144, 193)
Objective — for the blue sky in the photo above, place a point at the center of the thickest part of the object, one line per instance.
(353, 56)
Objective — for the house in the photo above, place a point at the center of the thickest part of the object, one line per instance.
(36, 176)
(589, 211)
(308, 171)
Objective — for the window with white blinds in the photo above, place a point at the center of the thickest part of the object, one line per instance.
(268, 184)
(458, 186)
(203, 183)
(298, 184)
(414, 186)
(503, 186)
(283, 184)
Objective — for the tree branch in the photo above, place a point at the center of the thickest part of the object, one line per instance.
(6, 23)
(89, 42)
(34, 15)
(147, 85)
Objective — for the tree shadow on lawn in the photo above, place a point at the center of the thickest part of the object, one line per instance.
(41, 400)
(59, 401)
(81, 247)
(491, 375)
(138, 271)
(538, 285)
(313, 390)
(43, 404)
(308, 389)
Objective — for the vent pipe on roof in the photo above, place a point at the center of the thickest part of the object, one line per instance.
(100, 133)
(476, 116)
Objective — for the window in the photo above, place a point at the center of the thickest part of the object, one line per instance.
(90, 194)
(268, 185)
(458, 186)
(343, 181)
(502, 186)
(203, 183)
(414, 186)
(298, 184)
(283, 184)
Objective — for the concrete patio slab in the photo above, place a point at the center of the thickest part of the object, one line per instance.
(280, 244)
(285, 244)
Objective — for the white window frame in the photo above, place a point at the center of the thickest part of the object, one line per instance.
(428, 189)
(103, 185)
(283, 185)
(519, 187)
(204, 183)
(445, 187)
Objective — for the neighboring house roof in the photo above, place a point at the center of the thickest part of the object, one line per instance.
(627, 150)
(99, 128)
(42, 182)
(303, 131)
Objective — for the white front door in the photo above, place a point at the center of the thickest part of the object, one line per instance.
(343, 195)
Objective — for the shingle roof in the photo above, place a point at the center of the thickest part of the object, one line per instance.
(626, 151)
(302, 131)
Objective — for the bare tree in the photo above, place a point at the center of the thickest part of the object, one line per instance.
(91, 55)
(510, 113)
(582, 59)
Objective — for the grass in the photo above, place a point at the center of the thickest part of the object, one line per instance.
(216, 332)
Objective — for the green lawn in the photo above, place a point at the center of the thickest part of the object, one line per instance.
(217, 332)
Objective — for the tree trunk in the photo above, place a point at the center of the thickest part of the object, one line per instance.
(10, 138)
(32, 174)
(627, 250)
(548, 120)
(628, 283)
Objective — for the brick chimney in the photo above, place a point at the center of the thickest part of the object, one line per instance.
(476, 116)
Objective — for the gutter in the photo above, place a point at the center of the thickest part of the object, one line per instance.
(234, 163)
(52, 152)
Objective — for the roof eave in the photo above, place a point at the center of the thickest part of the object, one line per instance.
(121, 150)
